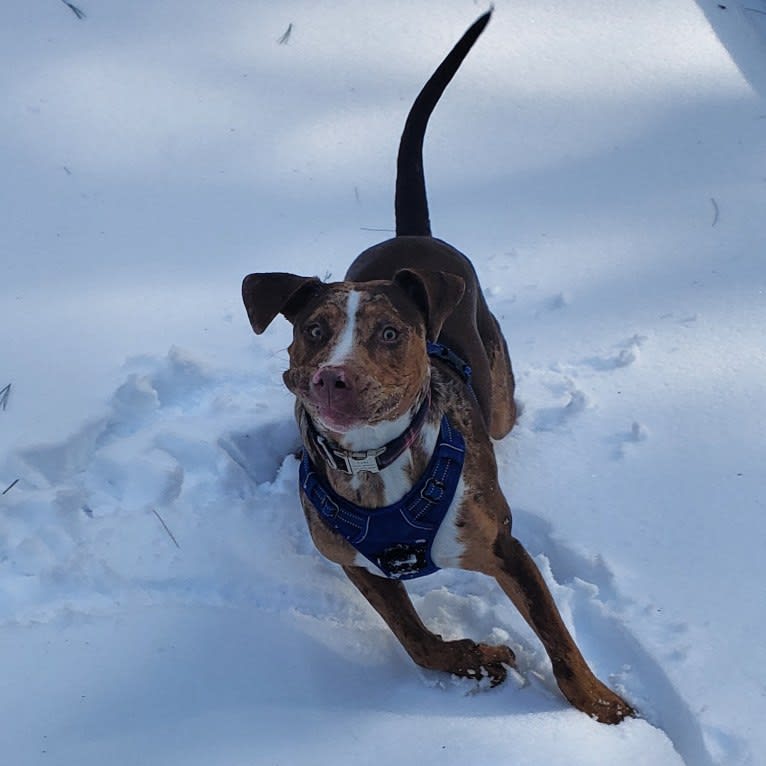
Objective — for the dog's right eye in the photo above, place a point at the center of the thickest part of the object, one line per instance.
(314, 332)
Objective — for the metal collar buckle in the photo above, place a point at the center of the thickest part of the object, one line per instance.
(351, 463)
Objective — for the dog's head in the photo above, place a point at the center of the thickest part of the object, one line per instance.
(358, 355)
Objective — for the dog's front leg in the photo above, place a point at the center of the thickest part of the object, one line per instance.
(520, 578)
(464, 657)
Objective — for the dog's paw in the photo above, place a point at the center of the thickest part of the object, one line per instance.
(613, 710)
(479, 661)
(600, 703)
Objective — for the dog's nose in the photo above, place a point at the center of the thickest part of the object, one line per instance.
(331, 379)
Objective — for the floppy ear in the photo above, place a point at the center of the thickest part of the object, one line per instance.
(434, 292)
(266, 295)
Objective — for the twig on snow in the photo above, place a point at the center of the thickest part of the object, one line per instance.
(286, 36)
(167, 529)
(715, 211)
(4, 394)
(10, 486)
(75, 10)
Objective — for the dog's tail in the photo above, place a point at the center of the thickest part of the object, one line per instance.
(410, 204)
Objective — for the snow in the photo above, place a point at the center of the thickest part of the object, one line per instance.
(602, 165)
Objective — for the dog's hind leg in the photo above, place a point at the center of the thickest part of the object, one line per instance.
(429, 650)
(520, 578)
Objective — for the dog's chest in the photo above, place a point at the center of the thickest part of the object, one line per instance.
(376, 490)
(447, 548)
(408, 525)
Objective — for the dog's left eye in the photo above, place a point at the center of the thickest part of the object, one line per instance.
(389, 334)
(315, 331)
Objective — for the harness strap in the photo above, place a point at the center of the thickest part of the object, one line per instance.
(396, 538)
(449, 357)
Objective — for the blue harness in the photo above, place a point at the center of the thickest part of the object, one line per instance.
(398, 538)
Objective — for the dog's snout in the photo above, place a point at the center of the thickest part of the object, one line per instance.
(331, 378)
(333, 394)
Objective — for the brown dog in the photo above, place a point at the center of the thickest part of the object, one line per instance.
(399, 476)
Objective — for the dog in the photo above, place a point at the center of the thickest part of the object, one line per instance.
(402, 377)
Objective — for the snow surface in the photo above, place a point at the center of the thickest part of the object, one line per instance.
(603, 166)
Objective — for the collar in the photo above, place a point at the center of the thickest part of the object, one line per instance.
(372, 460)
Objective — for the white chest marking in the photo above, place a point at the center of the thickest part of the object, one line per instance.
(447, 550)
(345, 345)
(397, 478)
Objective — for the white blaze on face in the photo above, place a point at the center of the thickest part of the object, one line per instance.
(345, 344)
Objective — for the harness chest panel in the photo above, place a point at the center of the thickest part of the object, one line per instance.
(397, 538)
